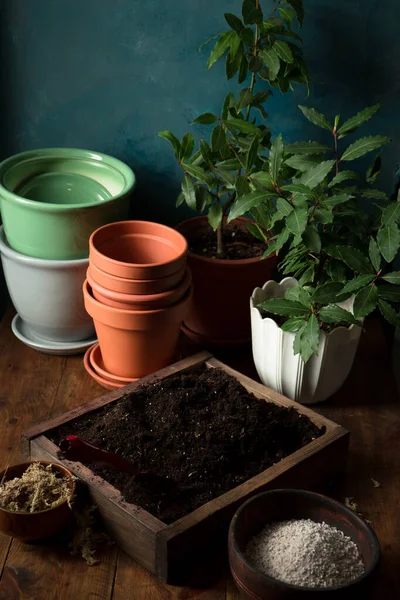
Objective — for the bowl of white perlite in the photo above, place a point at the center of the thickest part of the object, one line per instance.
(295, 543)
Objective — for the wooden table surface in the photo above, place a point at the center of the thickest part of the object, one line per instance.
(34, 387)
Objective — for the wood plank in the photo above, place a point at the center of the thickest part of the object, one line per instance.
(5, 543)
(132, 581)
(49, 572)
(28, 385)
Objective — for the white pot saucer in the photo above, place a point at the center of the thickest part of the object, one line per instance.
(23, 333)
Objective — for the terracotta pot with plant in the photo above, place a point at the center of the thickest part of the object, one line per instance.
(337, 247)
(228, 171)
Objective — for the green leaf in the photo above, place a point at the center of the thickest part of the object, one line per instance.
(196, 159)
(374, 255)
(255, 64)
(336, 270)
(261, 216)
(323, 216)
(352, 257)
(357, 283)
(227, 177)
(389, 241)
(393, 277)
(363, 146)
(372, 193)
(389, 292)
(271, 60)
(180, 200)
(262, 178)
(283, 51)
(275, 158)
(307, 148)
(391, 214)
(205, 119)
(355, 122)
(234, 22)
(221, 47)
(297, 6)
(335, 314)
(316, 117)
(297, 220)
(297, 340)
(256, 231)
(342, 176)
(203, 198)
(389, 313)
(298, 294)
(247, 36)
(169, 136)
(242, 70)
(373, 169)
(229, 165)
(247, 202)
(245, 98)
(251, 13)
(252, 154)
(283, 206)
(198, 172)
(206, 152)
(328, 293)
(297, 188)
(279, 242)
(243, 126)
(310, 336)
(189, 192)
(242, 187)
(187, 145)
(332, 201)
(215, 215)
(294, 324)
(287, 14)
(218, 139)
(284, 308)
(228, 103)
(316, 174)
(365, 301)
(312, 239)
(302, 163)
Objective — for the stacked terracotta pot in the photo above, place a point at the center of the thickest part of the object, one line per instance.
(138, 290)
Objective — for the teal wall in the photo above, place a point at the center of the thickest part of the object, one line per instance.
(108, 74)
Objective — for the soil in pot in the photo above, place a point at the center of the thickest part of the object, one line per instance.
(238, 244)
(202, 433)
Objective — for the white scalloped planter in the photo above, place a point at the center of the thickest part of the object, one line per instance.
(284, 372)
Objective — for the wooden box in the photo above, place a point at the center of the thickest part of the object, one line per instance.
(169, 551)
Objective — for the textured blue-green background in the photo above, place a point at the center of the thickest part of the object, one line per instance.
(108, 74)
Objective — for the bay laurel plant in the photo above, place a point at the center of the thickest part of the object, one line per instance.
(264, 52)
(338, 234)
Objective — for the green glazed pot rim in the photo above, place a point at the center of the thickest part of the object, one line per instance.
(67, 154)
(9, 252)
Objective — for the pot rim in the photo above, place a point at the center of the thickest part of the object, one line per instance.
(67, 473)
(67, 154)
(93, 250)
(111, 310)
(314, 496)
(37, 262)
(128, 280)
(142, 299)
(223, 261)
(255, 308)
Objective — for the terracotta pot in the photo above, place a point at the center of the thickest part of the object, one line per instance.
(135, 343)
(97, 364)
(138, 250)
(136, 286)
(42, 524)
(105, 382)
(221, 290)
(141, 301)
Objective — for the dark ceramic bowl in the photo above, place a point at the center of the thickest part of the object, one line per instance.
(28, 527)
(282, 505)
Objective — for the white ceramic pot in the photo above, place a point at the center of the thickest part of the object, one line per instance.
(47, 294)
(284, 372)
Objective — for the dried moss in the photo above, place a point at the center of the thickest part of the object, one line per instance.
(87, 538)
(39, 488)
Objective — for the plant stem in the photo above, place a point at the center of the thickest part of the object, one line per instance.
(220, 240)
(253, 75)
(336, 151)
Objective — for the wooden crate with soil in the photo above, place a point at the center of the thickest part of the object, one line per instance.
(211, 436)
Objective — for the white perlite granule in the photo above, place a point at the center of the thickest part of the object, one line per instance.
(303, 552)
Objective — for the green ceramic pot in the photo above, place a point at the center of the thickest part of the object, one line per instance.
(53, 199)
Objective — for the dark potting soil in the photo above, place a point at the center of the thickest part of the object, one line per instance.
(238, 244)
(200, 433)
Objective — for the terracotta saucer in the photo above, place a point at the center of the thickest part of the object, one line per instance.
(106, 383)
(97, 364)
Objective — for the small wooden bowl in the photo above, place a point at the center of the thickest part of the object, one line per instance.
(282, 505)
(28, 527)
